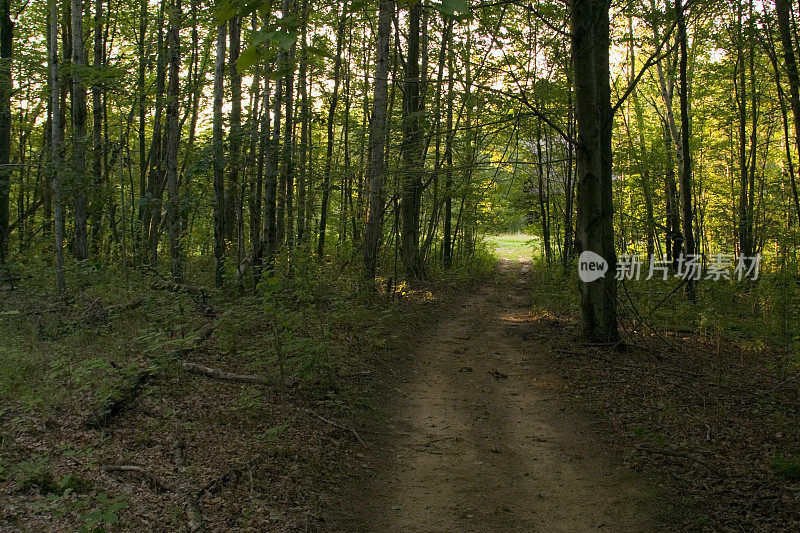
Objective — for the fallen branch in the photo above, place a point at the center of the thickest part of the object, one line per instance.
(171, 286)
(133, 304)
(221, 375)
(334, 424)
(677, 453)
(191, 505)
(154, 480)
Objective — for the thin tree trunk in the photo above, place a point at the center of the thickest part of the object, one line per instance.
(233, 211)
(305, 122)
(326, 176)
(81, 246)
(413, 163)
(55, 144)
(286, 225)
(142, 93)
(6, 43)
(97, 126)
(377, 141)
(685, 185)
(155, 180)
(173, 140)
(219, 159)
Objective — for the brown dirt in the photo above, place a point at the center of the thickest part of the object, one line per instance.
(478, 434)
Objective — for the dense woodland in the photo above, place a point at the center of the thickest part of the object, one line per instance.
(272, 149)
(165, 134)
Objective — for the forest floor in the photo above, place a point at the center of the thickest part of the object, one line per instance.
(455, 406)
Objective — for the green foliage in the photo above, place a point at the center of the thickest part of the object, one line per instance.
(788, 469)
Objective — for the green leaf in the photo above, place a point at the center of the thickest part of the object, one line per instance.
(453, 8)
(285, 39)
(249, 57)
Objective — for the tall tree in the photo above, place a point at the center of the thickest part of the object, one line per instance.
(6, 43)
(233, 206)
(219, 158)
(376, 166)
(782, 8)
(55, 143)
(685, 184)
(81, 244)
(326, 176)
(590, 55)
(412, 149)
(97, 121)
(286, 223)
(173, 134)
(305, 124)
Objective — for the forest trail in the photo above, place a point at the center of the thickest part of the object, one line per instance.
(479, 437)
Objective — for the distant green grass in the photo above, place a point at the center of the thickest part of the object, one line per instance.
(514, 246)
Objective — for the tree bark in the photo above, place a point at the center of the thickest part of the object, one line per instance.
(55, 144)
(219, 159)
(685, 184)
(81, 245)
(286, 223)
(234, 223)
(590, 57)
(326, 176)
(6, 43)
(173, 141)
(412, 151)
(376, 168)
(782, 8)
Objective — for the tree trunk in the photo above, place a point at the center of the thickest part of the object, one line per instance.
(286, 224)
(326, 176)
(376, 168)
(685, 185)
(6, 42)
(142, 92)
(219, 159)
(173, 140)
(782, 8)
(305, 123)
(155, 180)
(55, 144)
(590, 53)
(81, 247)
(97, 126)
(233, 206)
(412, 151)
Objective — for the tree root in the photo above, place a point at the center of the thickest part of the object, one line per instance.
(155, 481)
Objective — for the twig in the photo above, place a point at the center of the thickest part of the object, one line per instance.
(334, 424)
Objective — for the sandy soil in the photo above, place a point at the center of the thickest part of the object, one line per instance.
(479, 436)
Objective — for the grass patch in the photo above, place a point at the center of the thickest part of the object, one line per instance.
(512, 246)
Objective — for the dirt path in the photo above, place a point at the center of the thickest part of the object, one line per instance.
(479, 437)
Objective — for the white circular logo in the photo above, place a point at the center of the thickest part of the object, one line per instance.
(591, 266)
